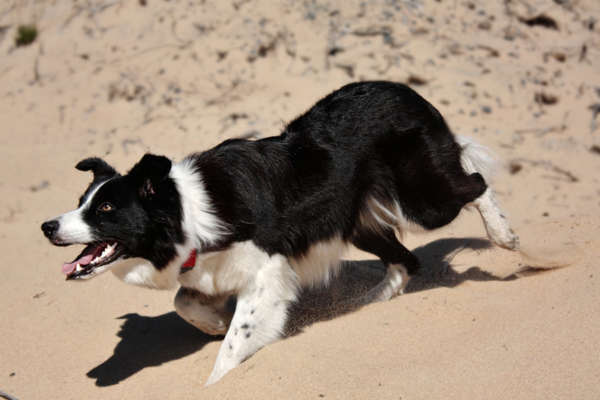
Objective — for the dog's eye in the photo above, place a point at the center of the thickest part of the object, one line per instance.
(106, 207)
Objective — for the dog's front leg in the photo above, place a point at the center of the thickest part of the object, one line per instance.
(259, 316)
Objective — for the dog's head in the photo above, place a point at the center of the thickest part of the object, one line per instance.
(121, 217)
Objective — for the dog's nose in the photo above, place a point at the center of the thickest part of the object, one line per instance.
(49, 228)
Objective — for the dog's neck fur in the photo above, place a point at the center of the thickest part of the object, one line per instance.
(200, 225)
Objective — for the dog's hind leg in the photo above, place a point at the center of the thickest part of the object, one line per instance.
(209, 314)
(260, 314)
(400, 262)
(477, 159)
(496, 224)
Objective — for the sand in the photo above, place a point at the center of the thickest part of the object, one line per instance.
(117, 78)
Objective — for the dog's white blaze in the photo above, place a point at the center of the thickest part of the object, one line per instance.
(72, 228)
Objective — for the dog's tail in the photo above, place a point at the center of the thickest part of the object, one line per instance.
(476, 158)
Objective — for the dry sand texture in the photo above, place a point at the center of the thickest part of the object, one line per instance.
(117, 78)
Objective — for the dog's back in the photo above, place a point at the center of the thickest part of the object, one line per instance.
(367, 144)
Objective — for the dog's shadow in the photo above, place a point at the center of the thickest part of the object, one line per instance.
(349, 290)
(148, 342)
(151, 341)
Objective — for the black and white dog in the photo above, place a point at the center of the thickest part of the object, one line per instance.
(254, 221)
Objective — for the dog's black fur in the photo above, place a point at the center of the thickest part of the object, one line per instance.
(284, 193)
(376, 139)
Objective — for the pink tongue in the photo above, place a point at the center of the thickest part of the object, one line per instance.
(68, 268)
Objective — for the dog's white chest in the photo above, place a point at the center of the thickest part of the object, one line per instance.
(225, 271)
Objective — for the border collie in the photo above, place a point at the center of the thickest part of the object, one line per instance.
(243, 226)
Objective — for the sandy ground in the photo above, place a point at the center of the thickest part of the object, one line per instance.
(119, 78)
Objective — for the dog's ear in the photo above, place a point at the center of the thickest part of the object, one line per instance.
(98, 166)
(149, 172)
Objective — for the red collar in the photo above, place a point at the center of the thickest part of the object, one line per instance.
(191, 261)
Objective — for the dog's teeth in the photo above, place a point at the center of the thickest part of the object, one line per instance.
(108, 250)
(78, 268)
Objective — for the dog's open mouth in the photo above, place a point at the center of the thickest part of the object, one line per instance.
(94, 256)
